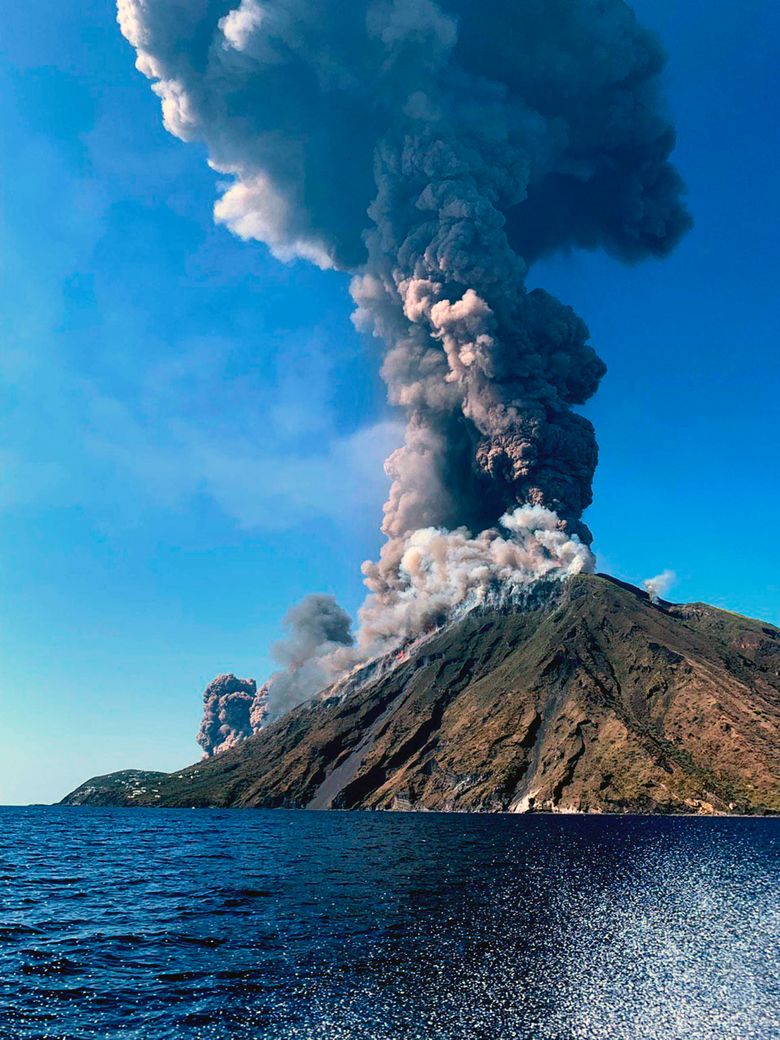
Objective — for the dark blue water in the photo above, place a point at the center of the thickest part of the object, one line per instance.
(162, 924)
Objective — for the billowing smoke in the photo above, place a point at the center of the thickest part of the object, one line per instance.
(435, 150)
(227, 708)
(441, 570)
(317, 649)
(658, 586)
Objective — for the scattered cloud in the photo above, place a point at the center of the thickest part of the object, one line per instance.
(116, 397)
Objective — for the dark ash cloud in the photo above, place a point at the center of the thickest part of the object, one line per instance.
(435, 150)
(227, 708)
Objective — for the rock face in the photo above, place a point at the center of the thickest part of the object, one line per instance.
(596, 701)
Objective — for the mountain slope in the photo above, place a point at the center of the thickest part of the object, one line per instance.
(598, 701)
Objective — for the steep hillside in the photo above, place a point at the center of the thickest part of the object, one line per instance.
(597, 701)
(127, 787)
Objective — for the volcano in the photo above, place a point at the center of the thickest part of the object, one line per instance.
(592, 698)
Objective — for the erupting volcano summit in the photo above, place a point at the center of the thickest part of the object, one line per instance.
(435, 150)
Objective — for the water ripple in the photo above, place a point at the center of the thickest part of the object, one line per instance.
(172, 925)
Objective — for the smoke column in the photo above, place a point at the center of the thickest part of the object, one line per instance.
(316, 651)
(228, 703)
(435, 150)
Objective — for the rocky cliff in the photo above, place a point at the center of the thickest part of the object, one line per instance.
(595, 700)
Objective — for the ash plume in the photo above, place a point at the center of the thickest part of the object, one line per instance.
(227, 709)
(317, 649)
(435, 150)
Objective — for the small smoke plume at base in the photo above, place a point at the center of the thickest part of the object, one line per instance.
(658, 586)
(228, 703)
(316, 651)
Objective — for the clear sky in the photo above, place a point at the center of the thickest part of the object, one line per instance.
(192, 432)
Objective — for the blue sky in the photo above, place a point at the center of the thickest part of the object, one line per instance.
(193, 432)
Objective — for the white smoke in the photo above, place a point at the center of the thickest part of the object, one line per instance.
(440, 574)
(658, 586)
(441, 571)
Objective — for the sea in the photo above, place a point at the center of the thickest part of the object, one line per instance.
(154, 924)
